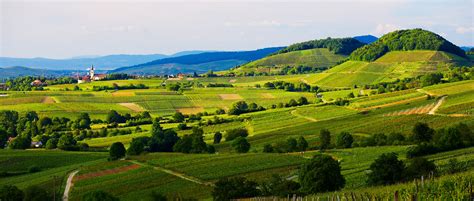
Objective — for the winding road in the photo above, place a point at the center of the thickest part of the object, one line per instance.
(438, 104)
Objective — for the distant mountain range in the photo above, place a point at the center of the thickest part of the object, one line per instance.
(18, 71)
(82, 62)
(199, 63)
(367, 39)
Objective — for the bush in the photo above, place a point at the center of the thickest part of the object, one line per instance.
(421, 150)
(321, 174)
(136, 146)
(344, 140)
(422, 133)
(33, 169)
(232, 188)
(420, 167)
(235, 133)
(52, 143)
(182, 126)
(267, 148)
(386, 169)
(117, 151)
(241, 145)
(325, 138)
(279, 186)
(11, 193)
(35, 193)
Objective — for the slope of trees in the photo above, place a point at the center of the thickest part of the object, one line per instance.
(404, 40)
(336, 45)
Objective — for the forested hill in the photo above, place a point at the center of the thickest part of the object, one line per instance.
(404, 40)
(335, 45)
(208, 57)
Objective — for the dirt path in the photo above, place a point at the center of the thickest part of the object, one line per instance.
(69, 185)
(133, 106)
(178, 174)
(438, 104)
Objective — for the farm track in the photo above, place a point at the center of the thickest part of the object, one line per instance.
(177, 174)
(438, 104)
(294, 113)
(69, 185)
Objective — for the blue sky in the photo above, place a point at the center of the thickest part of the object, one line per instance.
(68, 28)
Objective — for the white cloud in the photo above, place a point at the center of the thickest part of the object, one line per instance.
(382, 29)
(463, 30)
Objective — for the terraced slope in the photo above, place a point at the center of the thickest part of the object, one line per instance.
(316, 58)
(393, 65)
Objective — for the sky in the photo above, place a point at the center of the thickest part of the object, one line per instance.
(70, 28)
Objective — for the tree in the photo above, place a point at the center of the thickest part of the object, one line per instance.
(279, 186)
(345, 140)
(184, 144)
(83, 122)
(422, 133)
(155, 196)
(136, 146)
(291, 144)
(235, 133)
(178, 117)
(449, 139)
(241, 145)
(11, 193)
(114, 117)
(386, 169)
(20, 142)
(236, 187)
(302, 144)
(36, 193)
(99, 196)
(217, 137)
(156, 129)
(197, 144)
(321, 174)
(52, 143)
(351, 95)
(267, 148)
(325, 138)
(420, 167)
(66, 142)
(302, 101)
(238, 108)
(117, 151)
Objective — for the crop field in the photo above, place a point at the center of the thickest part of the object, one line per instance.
(213, 167)
(53, 166)
(132, 183)
(387, 68)
(320, 57)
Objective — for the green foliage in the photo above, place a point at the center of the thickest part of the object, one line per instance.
(36, 193)
(235, 133)
(217, 137)
(241, 107)
(325, 139)
(117, 151)
(178, 117)
(321, 174)
(422, 133)
(11, 193)
(344, 140)
(66, 142)
(279, 186)
(412, 39)
(336, 45)
(235, 187)
(386, 169)
(241, 145)
(99, 196)
(136, 146)
(418, 167)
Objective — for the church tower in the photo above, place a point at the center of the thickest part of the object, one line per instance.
(91, 72)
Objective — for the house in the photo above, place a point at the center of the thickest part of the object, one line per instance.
(91, 76)
(319, 95)
(37, 83)
(3, 86)
(36, 144)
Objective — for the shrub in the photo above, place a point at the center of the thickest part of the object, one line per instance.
(35, 193)
(421, 150)
(117, 151)
(422, 133)
(344, 140)
(419, 167)
(386, 169)
(241, 145)
(33, 169)
(279, 186)
(234, 133)
(325, 138)
(136, 146)
(232, 188)
(267, 148)
(321, 174)
(11, 193)
(217, 137)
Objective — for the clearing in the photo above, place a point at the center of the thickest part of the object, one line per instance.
(230, 97)
(133, 106)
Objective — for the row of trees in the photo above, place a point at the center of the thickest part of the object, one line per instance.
(290, 145)
(288, 86)
(117, 87)
(336, 45)
(241, 107)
